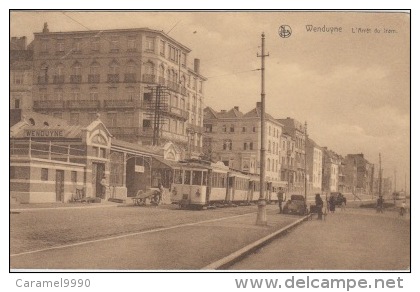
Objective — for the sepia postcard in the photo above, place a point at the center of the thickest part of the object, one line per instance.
(236, 141)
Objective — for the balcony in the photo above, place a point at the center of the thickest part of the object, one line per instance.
(94, 78)
(124, 131)
(75, 78)
(113, 78)
(177, 112)
(58, 79)
(130, 77)
(118, 104)
(42, 79)
(48, 104)
(83, 104)
(148, 78)
(173, 86)
(162, 81)
(174, 137)
(195, 129)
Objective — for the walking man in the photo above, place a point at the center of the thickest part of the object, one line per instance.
(281, 198)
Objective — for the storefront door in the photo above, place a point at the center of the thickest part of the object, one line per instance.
(98, 170)
(59, 185)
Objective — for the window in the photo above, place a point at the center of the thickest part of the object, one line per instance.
(94, 95)
(172, 53)
(102, 152)
(44, 174)
(253, 129)
(112, 93)
(224, 128)
(18, 78)
(147, 124)
(243, 129)
(58, 94)
(196, 177)
(268, 164)
(227, 145)
(116, 169)
(131, 93)
(131, 44)
(162, 48)
(112, 119)
(150, 44)
(251, 146)
(232, 128)
(208, 128)
(245, 146)
(74, 176)
(17, 103)
(114, 44)
(74, 118)
(75, 94)
(12, 172)
(43, 94)
(187, 177)
(44, 46)
(95, 44)
(184, 59)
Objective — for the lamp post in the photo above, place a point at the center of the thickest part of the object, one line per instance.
(262, 212)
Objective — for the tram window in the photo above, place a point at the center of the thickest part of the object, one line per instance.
(223, 183)
(178, 176)
(205, 178)
(196, 177)
(187, 177)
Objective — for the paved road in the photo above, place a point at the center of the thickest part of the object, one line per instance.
(133, 237)
(354, 239)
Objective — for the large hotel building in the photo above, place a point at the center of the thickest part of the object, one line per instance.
(137, 80)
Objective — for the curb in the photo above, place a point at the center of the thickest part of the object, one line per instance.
(235, 256)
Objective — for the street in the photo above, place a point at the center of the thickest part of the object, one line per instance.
(131, 237)
(352, 239)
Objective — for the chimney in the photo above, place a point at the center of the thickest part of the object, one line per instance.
(197, 66)
(45, 29)
(236, 107)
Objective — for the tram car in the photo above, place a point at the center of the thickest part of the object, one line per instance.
(197, 184)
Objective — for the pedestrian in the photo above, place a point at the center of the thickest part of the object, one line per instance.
(319, 205)
(161, 191)
(281, 198)
(104, 185)
(332, 204)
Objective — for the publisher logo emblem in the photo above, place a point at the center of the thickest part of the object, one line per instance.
(285, 31)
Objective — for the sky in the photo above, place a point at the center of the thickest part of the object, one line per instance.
(351, 87)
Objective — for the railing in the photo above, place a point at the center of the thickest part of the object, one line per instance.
(48, 151)
(115, 103)
(75, 78)
(179, 112)
(94, 78)
(48, 104)
(129, 77)
(58, 79)
(124, 131)
(149, 78)
(113, 78)
(83, 104)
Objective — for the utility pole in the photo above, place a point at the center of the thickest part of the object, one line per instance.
(395, 180)
(380, 176)
(262, 212)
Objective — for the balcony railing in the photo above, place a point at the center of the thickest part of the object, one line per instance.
(75, 78)
(124, 131)
(42, 79)
(195, 129)
(130, 77)
(94, 78)
(113, 78)
(48, 104)
(179, 113)
(58, 79)
(148, 78)
(83, 104)
(116, 103)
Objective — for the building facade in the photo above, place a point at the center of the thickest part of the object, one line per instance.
(139, 80)
(359, 174)
(235, 138)
(314, 159)
(297, 132)
(21, 68)
(330, 170)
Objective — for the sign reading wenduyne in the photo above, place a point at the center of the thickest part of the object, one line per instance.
(168, 135)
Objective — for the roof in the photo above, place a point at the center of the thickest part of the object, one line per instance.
(233, 113)
(135, 147)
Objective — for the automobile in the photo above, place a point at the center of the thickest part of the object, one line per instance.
(339, 198)
(296, 205)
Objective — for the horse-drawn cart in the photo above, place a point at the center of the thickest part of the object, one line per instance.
(151, 195)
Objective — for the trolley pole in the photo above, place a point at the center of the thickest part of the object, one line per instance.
(262, 212)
